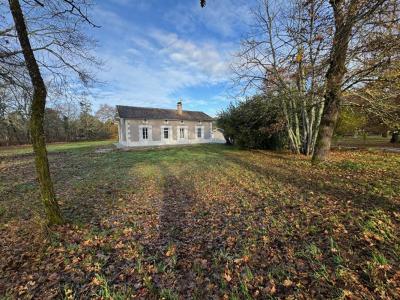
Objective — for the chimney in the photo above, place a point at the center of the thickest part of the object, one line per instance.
(179, 107)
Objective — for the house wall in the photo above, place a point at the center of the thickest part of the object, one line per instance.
(122, 130)
(218, 136)
(133, 131)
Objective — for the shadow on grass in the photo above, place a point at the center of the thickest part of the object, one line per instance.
(176, 236)
(173, 219)
(153, 227)
(293, 177)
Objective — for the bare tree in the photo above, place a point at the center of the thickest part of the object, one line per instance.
(105, 113)
(380, 98)
(38, 104)
(285, 55)
(372, 83)
(52, 35)
(291, 54)
(347, 15)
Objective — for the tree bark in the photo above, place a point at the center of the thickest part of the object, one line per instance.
(37, 116)
(334, 78)
(395, 137)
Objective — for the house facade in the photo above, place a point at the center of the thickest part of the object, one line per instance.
(141, 126)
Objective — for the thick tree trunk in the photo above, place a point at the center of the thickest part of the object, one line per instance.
(327, 125)
(334, 79)
(37, 116)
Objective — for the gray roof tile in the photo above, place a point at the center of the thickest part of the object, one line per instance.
(132, 112)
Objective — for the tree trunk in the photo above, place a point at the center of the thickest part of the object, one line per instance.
(37, 116)
(395, 137)
(327, 125)
(320, 109)
(294, 146)
(334, 78)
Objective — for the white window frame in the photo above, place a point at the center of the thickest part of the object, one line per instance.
(202, 132)
(169, 133)
(149, 133)
(145, 133)
(185, 128)
(182, 134)
(128, 130)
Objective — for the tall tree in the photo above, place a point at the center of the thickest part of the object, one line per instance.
(285, 55)
(45, 40)
(291, 53)
(60, 40)
(347, 14)
(37, 117)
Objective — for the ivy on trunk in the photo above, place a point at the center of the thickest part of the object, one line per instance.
(37, 116)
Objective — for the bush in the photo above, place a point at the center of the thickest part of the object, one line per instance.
(253, 123)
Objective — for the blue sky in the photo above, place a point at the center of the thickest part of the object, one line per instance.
(159, 51)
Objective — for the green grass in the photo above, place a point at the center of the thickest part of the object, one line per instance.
(370, 141)
(350, 165)
(55, 147)
(201, 222)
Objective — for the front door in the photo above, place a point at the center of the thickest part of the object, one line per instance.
(144, 134)
(183, 134)
(166, 134)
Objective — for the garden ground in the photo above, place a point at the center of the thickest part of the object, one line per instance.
(367, 142)
(200, 222)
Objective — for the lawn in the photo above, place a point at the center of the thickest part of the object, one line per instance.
(202, 222)
(54, 147)
(369, 141)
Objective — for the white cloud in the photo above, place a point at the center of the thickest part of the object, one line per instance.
(156, 66)
(224, 17)
(151, 66)
(201, 59)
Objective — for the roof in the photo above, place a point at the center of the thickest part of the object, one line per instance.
(132, 112)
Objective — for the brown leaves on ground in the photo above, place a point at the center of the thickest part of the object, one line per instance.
(203, 222)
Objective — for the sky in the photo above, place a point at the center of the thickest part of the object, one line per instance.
(156, 52)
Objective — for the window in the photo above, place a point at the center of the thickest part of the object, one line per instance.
(166, 133)
(182, 133)
(199, 133)
(145, 133)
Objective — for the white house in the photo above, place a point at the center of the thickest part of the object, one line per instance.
(142, 126)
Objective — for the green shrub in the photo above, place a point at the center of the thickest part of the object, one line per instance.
(254, 123)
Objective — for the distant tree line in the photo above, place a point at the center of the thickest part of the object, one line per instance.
(62, 123)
